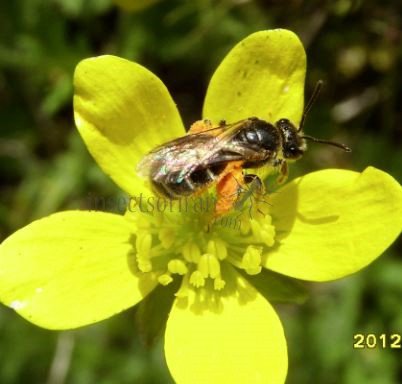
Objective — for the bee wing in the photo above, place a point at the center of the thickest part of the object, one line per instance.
(189, 152)
(218, 149)
(173, 156)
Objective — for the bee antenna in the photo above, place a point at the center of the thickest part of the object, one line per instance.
(310, 103)
(338, 145)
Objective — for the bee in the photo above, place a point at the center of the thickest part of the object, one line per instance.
(219, 155)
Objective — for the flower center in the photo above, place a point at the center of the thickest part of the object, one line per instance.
(196, 246)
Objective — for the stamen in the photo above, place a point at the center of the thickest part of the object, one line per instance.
(263, 231)
(167, 243)
(167, 237)
(143, 262)
(165, 279)
(143, 246)
(219, 284)
(191, 252)
(143, 242)
(177, 266)
(245, 226)
(197, 280)
(209, 266)
(217, 247)
(251, 261)
(184, 288)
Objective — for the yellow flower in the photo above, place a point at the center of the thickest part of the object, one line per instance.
(75, 268)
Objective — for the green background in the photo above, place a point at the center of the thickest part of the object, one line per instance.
(354, 46)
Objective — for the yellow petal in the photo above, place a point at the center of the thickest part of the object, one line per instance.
(71, 269)
(333, 223)
(122, 111)
(261, 76)
(235, 339)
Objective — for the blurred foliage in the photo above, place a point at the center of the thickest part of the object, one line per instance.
(354, 46)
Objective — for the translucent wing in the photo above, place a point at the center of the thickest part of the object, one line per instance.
(187, 153)
(174, 156)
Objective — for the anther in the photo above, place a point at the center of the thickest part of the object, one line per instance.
(165, 279)
(197, 280)
(219, 284)
(251, 261)
(177, 266)
(191, 252)
(167, 237)
(217, 247)
(209, 266)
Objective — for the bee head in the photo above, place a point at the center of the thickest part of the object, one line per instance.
(293, 144)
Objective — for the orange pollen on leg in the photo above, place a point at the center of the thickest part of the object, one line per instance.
(199, 126)
(231, 181)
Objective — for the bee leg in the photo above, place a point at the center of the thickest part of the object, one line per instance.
(250, 178)
(283, 171)
(222, 123)
(259, 197)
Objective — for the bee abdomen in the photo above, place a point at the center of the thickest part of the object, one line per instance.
(174, 186)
